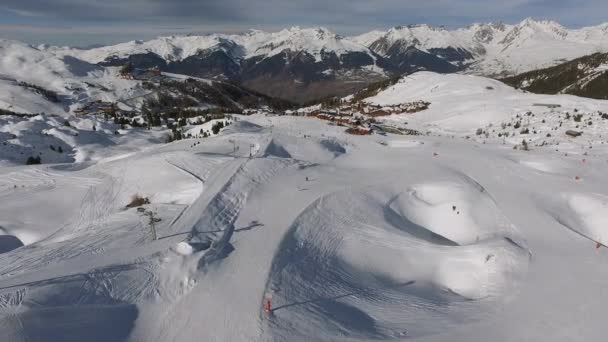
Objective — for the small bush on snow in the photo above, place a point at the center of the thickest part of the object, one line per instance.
(138, 201)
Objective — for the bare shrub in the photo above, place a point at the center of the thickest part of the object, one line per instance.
(138, 201)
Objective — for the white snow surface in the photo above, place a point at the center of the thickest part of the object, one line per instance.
(426, 238)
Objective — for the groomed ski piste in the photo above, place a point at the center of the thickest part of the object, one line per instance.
(350, 238)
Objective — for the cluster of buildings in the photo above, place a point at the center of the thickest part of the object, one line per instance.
(264, 110)
(359, 116)
(361, 109)
(403, 108)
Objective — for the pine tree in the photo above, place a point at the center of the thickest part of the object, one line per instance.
(127, 69)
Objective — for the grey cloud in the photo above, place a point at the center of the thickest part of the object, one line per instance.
(344, 16)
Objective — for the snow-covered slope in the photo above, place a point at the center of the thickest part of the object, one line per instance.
(367, 38)
(463, 103)
(37, 81)
(537, 44)
(345, 238)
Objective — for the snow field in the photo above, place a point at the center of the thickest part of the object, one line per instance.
(352, 240)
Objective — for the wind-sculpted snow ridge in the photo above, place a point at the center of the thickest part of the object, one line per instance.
(377, 263)
(584, 214)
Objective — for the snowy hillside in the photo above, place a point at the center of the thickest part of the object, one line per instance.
(64, 110)
(35, 81)
(463, 103)
(525, 46)
(288, 229)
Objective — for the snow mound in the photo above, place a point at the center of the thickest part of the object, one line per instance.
(333, 146)
(322, 149)
(348, 267)
(455, 211)
(585, 214)
(276, 150)
(184, 248)
(9, 243)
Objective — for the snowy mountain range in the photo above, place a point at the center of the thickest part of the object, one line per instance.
(494, 49)
(298, 64)
(305, 63)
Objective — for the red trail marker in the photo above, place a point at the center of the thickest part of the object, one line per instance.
(268, 307)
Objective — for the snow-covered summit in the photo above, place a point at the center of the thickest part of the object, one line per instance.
(484, 48)
(170, 48)
(311, 40)
(250, 44)
(496, 48)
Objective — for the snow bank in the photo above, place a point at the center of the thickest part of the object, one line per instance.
(585, 214)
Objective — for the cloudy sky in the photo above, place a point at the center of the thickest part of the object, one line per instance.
(88, 22)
